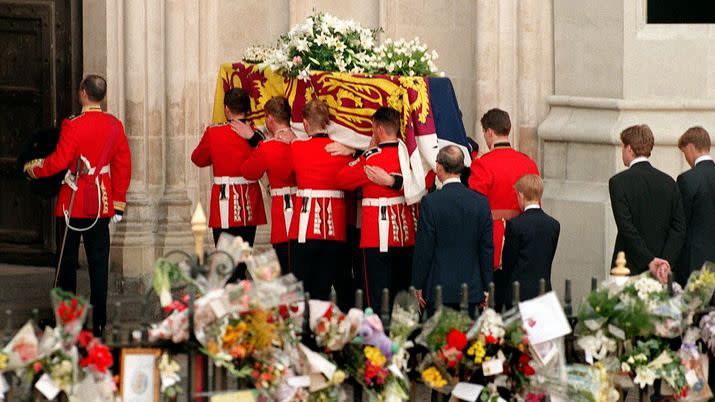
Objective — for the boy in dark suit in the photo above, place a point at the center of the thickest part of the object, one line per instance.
(647, 208)
(530, 241)
(697, 189)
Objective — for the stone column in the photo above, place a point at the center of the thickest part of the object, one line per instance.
(181, 40)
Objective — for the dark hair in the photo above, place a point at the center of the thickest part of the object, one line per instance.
(640, 138)
(697, 136)
(279, 108)
(237, 101)
(317, 113)
(95, 87)
(388, 118)
(498, 120)
(451, 158)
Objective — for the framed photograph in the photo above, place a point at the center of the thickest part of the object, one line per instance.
(139, 379)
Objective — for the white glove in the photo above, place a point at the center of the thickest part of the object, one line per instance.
(117, 218)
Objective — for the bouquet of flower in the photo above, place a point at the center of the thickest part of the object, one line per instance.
(589, 384)
(369, 359)
(332, 328)
(70, 313)
(700, 287)
(444, 336)
(486, 337)
(651, 360)
(169, 375)
(400, 57)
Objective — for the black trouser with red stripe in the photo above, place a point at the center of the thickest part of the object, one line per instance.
(96, 246)
(316, 264)
(389, 270)
(283, 253)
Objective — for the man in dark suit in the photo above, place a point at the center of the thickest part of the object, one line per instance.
(454, 237)
(697, 189)
(530, 242)
(647, 208)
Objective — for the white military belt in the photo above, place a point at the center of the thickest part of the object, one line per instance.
(277, 192)
(307, 195)
(383, 201)
(286, 192)
(320, 193)
(104, 170)
(383, 219)
(239, 213)
(237, 180)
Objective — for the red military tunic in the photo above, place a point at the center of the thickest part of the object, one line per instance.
(324, 218)
(494, 175)
(273, 157)
(398, 221)
(89, 136)
(242, 201)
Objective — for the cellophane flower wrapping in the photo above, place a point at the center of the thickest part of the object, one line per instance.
(70, 313)
(445, 337)
(700, 287)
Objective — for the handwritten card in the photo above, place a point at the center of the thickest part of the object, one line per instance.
(544, 318)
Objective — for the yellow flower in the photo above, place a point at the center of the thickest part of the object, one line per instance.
(3, 361)
(338, 377)
(374, 355)
(477, 350)
(433, 378)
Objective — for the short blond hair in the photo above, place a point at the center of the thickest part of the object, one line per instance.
(531, 186)
(317, 113)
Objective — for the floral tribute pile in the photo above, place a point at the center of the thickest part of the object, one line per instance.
(640, 333)
(326, 43)
(62, 360)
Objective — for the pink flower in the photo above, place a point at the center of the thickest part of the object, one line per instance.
(37, 366)
(26, 350)
(297, 60)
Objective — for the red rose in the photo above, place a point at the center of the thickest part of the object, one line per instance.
(456, 339)
(37, 366)
(98, 356)
(490, 339)
(85, 338)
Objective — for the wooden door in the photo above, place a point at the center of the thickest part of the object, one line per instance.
(40, 54)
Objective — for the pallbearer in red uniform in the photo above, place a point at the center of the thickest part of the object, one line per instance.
(272, 157)
(236, 202)
(317, 232)
(95, 139)
(494, 175)
(388, 223)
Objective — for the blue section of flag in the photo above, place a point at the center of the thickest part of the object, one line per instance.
(445, 110)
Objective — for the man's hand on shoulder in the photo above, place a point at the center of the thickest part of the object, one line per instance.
(338, 149)
(420, 299)
(242, 129)
(379, 176)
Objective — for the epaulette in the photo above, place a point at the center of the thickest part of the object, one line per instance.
(74, 116)
(302, 139)
(372, 151)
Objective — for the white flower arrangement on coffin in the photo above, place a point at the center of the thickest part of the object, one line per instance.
(326, 43)
(400, 57)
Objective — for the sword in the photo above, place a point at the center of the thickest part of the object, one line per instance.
(78, 171)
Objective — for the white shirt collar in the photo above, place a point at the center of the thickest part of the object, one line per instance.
(532, 206)
(638, 160)
(703, 158)
(452, 180)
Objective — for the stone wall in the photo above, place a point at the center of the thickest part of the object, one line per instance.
(612, 70)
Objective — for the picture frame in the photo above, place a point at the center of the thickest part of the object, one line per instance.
(139, 375)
